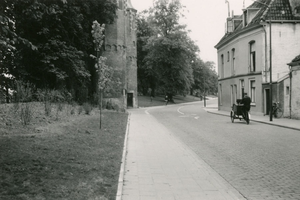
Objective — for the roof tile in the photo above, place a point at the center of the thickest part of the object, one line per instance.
(268, 10)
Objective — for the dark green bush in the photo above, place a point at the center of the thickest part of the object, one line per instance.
(26, 114)
(87, 108)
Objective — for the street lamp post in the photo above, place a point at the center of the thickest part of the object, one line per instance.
(204, 92)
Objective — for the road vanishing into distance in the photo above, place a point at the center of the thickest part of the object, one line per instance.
(259, 160)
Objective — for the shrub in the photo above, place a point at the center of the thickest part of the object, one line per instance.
(26, 114)
(87, 108)
(47, 108)
(60, 107)
(23, 92)
(72, 111)
(95, 99)
(16, 107)
(116, 107)
(82, 95)
(109, 105)
(80, 109)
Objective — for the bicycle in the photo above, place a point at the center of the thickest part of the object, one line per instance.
(276, 111)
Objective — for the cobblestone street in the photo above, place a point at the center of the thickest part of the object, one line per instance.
(260, 161)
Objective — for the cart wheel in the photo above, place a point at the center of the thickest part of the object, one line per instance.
(232, 116)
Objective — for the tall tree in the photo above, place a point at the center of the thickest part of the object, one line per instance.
(60, 29)
(146, 80)
(8, 41)
(205, 77)
(169, 50)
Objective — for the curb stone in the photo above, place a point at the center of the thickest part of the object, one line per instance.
(122, 168)
(279, 125)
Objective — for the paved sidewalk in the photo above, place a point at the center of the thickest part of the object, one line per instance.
(158, 166)
(281, 122)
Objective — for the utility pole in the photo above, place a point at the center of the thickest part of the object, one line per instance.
(271, 89)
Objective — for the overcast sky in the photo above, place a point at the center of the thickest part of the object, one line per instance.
(206, 20)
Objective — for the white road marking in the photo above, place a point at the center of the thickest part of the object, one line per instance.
(178, 110)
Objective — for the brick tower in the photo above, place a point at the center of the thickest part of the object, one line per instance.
(120, 50)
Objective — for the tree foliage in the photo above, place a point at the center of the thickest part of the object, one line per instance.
(144, 32)
(53, 40)
(105, 72)
(169, 50)
(168, 60)
(205, 77)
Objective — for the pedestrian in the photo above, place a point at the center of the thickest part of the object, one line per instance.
(246, 101)
(167, 99)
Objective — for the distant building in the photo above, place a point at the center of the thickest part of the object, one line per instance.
(244, 54)
(120, 50)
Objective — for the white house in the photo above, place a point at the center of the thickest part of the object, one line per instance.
(264, 38)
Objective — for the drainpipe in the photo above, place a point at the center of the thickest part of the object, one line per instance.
(291, 75)
(266, 58)
(266, 52)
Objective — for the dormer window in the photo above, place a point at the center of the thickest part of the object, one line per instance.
(245, 18)
(251, 12)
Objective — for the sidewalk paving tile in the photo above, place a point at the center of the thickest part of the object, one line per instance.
(159, 166)
(280, 122)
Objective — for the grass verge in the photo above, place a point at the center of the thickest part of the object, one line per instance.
(145, 101)
(68, 159)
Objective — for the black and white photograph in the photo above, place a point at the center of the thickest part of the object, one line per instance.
(149, 99)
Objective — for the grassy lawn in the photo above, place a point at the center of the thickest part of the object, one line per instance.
(145, 101)
(60, 158)
(63, 155)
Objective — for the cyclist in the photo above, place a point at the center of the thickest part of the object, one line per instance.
(246, 101)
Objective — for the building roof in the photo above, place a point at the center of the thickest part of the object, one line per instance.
(295, 61)
(267, 10)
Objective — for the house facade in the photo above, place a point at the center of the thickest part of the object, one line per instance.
(245, 55)
(294, 105)
(120, 51)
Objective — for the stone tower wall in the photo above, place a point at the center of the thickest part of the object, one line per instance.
(120, 50)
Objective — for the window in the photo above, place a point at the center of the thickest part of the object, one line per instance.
(242, 86)
(222, 66)
(220, 94)
(252, 56)
(287, 90)
(252, 91)
(232, 94)
(235, 93)
(228, 56)
(233, 61)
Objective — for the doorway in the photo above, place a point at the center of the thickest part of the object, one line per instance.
(129, 99)
(267, 101)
